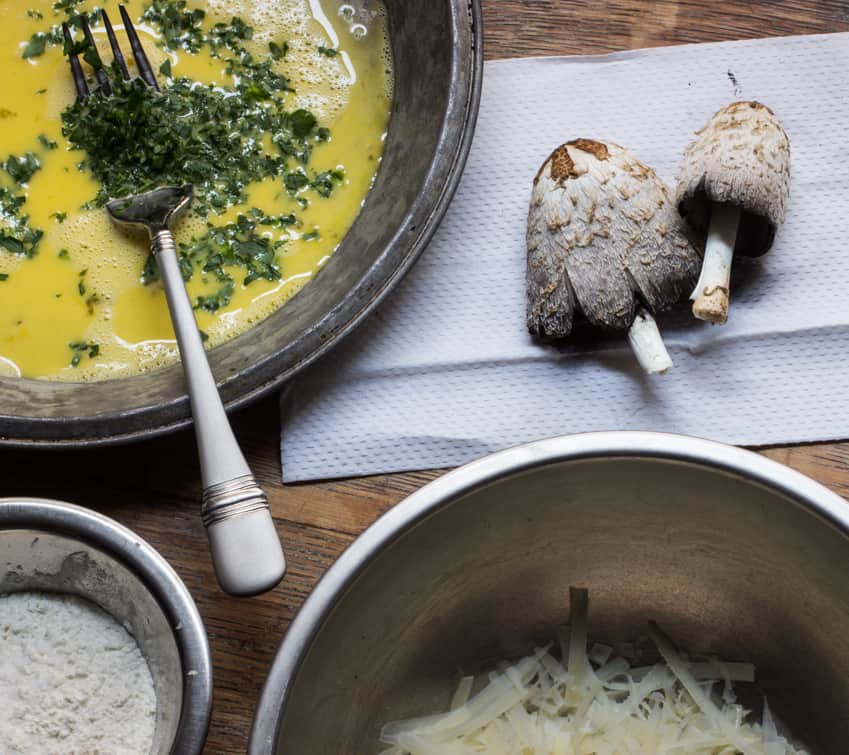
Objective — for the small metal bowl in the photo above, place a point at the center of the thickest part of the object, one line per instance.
(733, 554)
(50, 546)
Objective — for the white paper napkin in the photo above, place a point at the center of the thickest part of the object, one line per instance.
(446, 370)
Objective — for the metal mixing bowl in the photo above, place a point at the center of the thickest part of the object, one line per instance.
(732, 553)
(437, 52)
(49, 546)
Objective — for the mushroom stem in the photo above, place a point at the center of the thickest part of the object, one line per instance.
(710, 297)
(646, 341)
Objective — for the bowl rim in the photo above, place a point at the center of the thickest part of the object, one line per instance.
(164, 584)
(809, 494)
(271, 371)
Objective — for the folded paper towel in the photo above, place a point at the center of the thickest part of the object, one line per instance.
(445, 371)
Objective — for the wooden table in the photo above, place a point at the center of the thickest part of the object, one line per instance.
(154, 487)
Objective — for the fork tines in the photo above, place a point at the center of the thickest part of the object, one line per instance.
(99, 73)
(76, 69)
(142, 63)
(117, 55)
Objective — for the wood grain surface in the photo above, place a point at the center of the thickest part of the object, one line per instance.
(154, 487)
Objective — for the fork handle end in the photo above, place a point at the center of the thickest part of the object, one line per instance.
(246, 551)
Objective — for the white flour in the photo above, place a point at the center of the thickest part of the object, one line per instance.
(72, 680)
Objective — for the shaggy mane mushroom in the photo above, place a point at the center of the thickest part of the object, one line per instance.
(604, 241)
(733, 187)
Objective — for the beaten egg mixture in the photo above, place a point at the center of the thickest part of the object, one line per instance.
(79, 300)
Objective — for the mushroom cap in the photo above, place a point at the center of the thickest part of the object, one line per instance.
(602, 237)
(742, 157)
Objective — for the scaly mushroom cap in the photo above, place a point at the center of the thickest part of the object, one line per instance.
(602, 235)
(742, 156)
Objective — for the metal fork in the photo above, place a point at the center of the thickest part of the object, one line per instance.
(245, 548)
(142, 63)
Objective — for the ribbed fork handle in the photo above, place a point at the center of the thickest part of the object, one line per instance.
(246, 550)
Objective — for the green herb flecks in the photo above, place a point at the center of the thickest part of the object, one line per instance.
(59, 216)
(36, 46)
(4, 277)
(69, 7)
(47, 143)
(38, 42)
(218, 300)
(189, 133)
(276, 221)
(229, 36)
(181, 28)
(21, 169)
(328, 51)
(295, 180)
(221, 251)
(80, 349)
(327, 180)
(278, 51)
(16, 235)
(91, 302)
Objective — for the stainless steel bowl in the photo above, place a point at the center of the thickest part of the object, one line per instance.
(732, 553)
(437, 50)
(49, 546)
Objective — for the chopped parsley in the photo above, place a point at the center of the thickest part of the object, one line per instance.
(47, 143)
(63, 254)
(79, 349)
(91, 302)
(36, 46)
(16, 235)
(324, 182)
(59, 216)
(221, 298)
(190, 133)
(278, 51)
(222, 250)
(229, 36)
(21, 169)
(302, 122)
(4, 277)
(181, 28)
(295, 180)
(68, 6)
(328, 51)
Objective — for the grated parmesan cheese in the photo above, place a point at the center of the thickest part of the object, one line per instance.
(596, 704)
